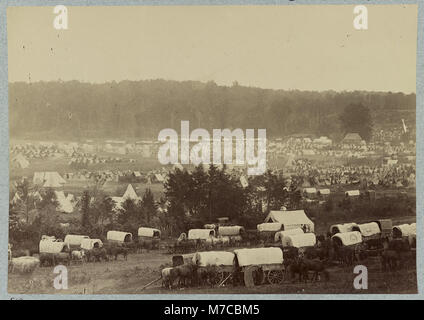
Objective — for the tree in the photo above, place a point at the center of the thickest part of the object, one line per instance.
(148, 205)
(85, 210)
(102, 212)
(356, 118)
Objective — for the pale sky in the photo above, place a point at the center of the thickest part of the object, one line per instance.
(279, 47)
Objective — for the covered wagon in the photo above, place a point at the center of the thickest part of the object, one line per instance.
(342, 228)
(368, 230)
(267, 230)
(261, 263)
(219, 264)
(404, 230)
(269, 227)
(302, 240)
(210, 226)
(89, 244)
(200, 234)
(119, 237)
(53, 246)
(74, 240)
(149, 232)
(386, 226)
(347, 239)
(281, 234)
(230, 231)
(149, 237)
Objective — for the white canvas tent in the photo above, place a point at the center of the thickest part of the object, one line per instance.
(352, 193)
(21, 161)
(130, 194)
(324, 192)
(50, 179)
(291, 219)
(310, 190)
(64, 204)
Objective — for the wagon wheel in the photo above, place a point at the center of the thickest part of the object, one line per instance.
(215, 278)
(275, 276)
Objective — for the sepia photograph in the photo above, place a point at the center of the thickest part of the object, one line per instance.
(226, 149)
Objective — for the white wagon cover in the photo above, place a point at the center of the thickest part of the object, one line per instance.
(230, 230)
(368, 229)
(406, 229)
(200, 234)
(349, 238)
(51, 246)
(214, 258)
(271, 226)
(299, 240)
(147, 232)
(259, 256)
(88, 244)
(345, 227)
(117, 235)
(281, 234)
(74, 239)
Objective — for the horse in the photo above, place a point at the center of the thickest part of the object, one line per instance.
(317, 267)
(294, 266)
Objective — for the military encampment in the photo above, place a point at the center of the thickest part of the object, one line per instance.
(215, 149)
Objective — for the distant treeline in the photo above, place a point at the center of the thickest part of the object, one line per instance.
(140, 109)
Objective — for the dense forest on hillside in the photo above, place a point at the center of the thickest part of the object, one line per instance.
(140, 109)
